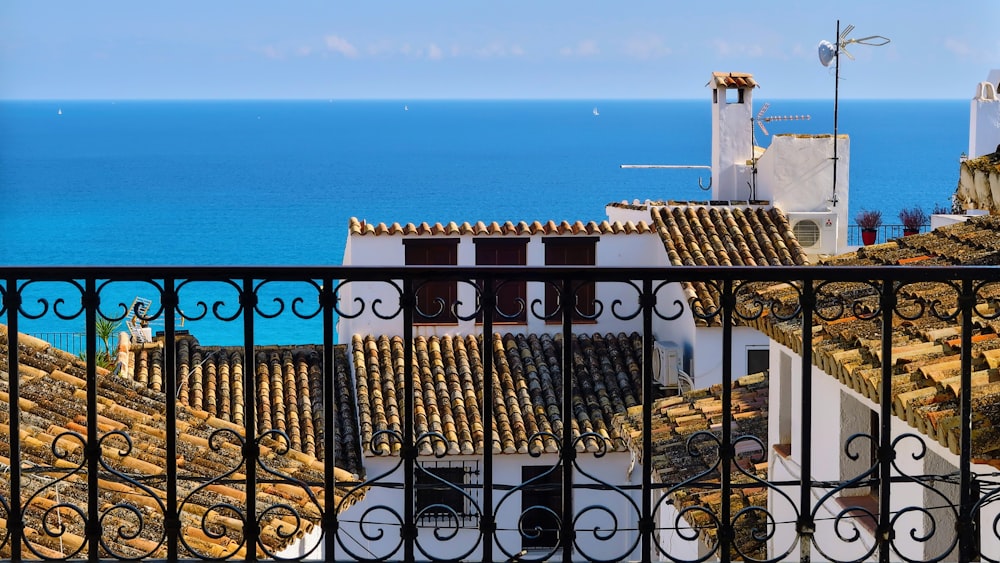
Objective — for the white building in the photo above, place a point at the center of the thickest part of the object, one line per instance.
(729, 230)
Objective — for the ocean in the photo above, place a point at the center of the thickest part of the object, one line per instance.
(275, 182)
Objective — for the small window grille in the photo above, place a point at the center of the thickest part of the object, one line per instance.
(443, 491)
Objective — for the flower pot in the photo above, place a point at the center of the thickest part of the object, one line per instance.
(908, 232)
(868, 236)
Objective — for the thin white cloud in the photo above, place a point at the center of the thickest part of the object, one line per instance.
(958, 47)
(434, 52)
(646, 47)
(337, 44)
(271, 52)
(499, 49)
(724, 48)
(585, 48)
(379, 48)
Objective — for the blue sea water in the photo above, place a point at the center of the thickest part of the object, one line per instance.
(275, 182)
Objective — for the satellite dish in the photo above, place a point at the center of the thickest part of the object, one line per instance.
(827, 52)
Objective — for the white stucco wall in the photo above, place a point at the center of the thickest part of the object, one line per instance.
(612, 468)
(827, 461)
(623, 250)
(708, 353)
(732, 144)
(984, 116)
(676, 538)
(796, 174)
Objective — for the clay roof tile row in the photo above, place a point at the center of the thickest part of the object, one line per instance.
(678, 459)
(289, 391)
(361, 228)
(52, 389)
(723, 236)
(527, 387)
(925, 346)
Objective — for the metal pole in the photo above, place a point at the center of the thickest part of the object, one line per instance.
(836, 105)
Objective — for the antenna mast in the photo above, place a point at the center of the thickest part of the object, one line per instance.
(831, 53)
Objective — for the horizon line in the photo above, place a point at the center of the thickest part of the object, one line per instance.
(445, 99)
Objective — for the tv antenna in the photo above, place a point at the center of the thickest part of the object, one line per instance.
(760, 119)
(830, 53)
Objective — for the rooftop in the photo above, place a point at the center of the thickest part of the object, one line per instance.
(53, 427)
(926, 338)
(527, 386)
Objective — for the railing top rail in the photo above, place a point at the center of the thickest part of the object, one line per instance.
(597, 273)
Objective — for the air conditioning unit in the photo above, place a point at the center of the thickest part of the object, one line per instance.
(667, 363)
(815, 231)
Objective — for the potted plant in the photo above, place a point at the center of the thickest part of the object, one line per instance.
(913, 218)
(869, 221)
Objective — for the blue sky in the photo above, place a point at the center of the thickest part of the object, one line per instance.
(467, 49)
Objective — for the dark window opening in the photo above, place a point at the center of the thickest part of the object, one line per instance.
(757, 360)
(575, 251)
(439, 492)
(541, 504)
(511, 306)
(435, 299)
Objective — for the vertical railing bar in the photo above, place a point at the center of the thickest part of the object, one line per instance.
(806, 526)
(330, 520)
(91, 302)
(15, 522)
(248, 300)
(409, 451)
(648, 302)
(487, 524)
(171, 520)
(884, 534)
(966, 526)
(568, 453)
(726, 451)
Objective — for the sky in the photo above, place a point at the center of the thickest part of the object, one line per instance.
(515, 49)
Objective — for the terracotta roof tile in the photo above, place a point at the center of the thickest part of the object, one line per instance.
(723, 236)
(675, 420)
(733, 80)
(53, 402)
(358, 227)
(289, 384)
(925, 349)
(526, 383)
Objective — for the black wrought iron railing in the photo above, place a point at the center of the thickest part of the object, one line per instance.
(884, 233)
(126, 478)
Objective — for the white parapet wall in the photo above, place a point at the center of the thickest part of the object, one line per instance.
(796, 174)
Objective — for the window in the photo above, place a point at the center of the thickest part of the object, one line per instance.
(757, 360)
(859, 418)
(571, 251)
(784, 445)
(541, 503)
(511, 296)
(436, 299)
(439, 491)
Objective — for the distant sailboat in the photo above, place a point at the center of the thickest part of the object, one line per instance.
(596, 112)
(59, 112)
(406, 108)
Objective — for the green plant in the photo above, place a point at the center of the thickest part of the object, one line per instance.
(913, 218)
(105, 329)
(868, 219)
